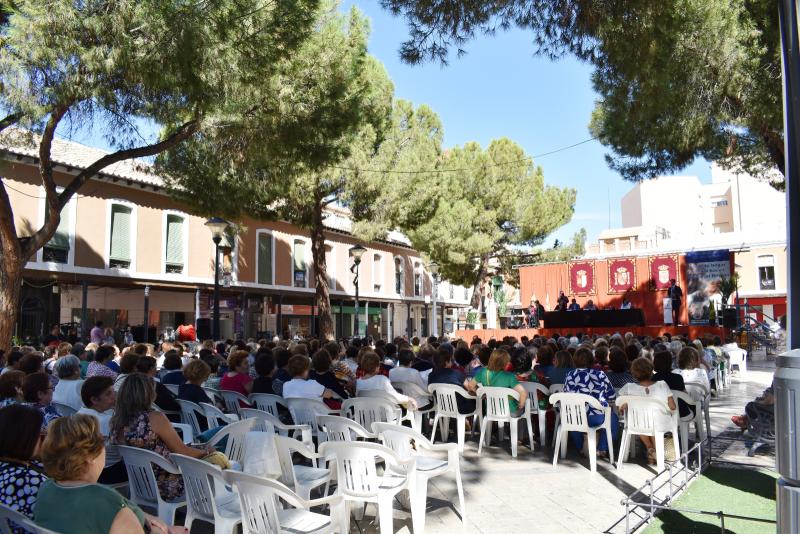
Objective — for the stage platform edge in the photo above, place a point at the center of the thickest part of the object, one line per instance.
(693, 332)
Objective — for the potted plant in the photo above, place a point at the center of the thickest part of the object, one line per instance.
(727, 286)
(472, 317)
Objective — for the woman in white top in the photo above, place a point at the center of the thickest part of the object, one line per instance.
(642, 371)
(68, 389)
(405, 373)
(373, 381)
(100, 398)
(689, 368)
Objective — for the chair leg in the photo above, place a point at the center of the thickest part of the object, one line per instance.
(623, 449)
(591, 437)
(501, 430)
(556, 448)
(419, 503)
(461, 430)
(564, 442)
(433, 432)
(610, 440)
(460, 487)
(675, 443)
(483, 431)
(542, 427)
(684, 432)
(659, 439)
(530, 431)
(514, 428)
(385, 518)
(445, 429)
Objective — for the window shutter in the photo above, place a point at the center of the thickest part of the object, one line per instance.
(60, 239)
(174, 240)
(264, 259)
(120, 233)
(299, 256)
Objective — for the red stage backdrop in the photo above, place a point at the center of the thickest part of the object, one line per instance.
(581, 278)
(662, 270)
(621, 275)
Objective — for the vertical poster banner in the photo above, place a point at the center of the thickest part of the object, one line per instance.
(621, 275)
(581, 278)
(703, 271)
(662, 270)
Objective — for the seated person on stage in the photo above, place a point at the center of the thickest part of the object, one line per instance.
(300, 387)
(626, 304)
(590, 306)
(574, 306)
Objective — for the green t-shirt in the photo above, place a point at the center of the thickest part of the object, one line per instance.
(88, 509)
(499, 379)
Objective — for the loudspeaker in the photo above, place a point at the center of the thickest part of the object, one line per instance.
(203, 328)
(729, 317)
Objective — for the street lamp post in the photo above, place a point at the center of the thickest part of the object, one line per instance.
(433, 267)
(356, 252)
(217, 227)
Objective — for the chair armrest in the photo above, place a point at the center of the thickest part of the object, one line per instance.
(332, 500)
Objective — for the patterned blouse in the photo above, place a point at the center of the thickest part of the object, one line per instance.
(590, 382)
(140, 434)
(19, 487)
(99, 369)
(49, 413)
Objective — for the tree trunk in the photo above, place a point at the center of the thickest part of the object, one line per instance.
(10, 285)
(475, 301)
(321, 275)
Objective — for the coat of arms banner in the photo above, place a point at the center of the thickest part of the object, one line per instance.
(581, 278)
(621, 275)
(662, 270)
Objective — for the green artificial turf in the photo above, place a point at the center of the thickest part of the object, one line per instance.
(733, 491)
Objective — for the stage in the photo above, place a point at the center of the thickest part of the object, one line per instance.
(693, 332)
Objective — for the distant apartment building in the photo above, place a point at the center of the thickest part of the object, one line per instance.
(124, 245)
(678, 214)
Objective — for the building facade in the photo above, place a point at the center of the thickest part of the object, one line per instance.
(128, 254)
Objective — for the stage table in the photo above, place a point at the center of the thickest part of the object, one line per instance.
(593, 318)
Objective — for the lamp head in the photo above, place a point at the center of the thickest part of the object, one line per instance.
(356, 252)
(217, 225)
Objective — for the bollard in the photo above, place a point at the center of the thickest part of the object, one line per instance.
(787, 441)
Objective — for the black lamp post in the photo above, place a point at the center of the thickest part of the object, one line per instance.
(433, 267)
(217, 227)
(356, 252)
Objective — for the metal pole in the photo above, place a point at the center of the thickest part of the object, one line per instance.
(409, 322)
(279, 318)
(787, 373)
(435, 331)
(355, 282)
(84, 311)
(147, 314)
(215, 326)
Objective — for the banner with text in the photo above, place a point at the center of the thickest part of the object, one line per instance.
(703, 270)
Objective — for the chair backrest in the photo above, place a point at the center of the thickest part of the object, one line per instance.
(400, 439)
(286, 447)
(236, 434)
(265, 421)
(497, 406)
(411, 389)
(260, 498)
(200, 480)
(189, 411)
(356, 466)
(305, 412)
(572, 409)
(698, 391)
(214, 415)
(533, 389)
(64, 410)
(644, 415)
(214, 395)
(141, 479)
(232, 400)
(368, 410)
(696, 405)
(339, 428)
(11, 521)
(268, 403)
(173, 388)
(556, 388)
(445, 398)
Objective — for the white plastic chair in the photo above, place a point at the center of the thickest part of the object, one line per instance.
(368, 410)
(64, 410)
(573, 417)
(305, 412)
(187, 434)
(267, 422)
(302, 478)
(414, 390)
(207, 498)
(736, 356)
(446, 408)
(533, 389)
(698, 390)
(232, 400)
(268, 403)
(359, 481)
(9, 515)
(217, 417)
(189, 413)
(173, 388)
(215, 395)
(499, 411)
(339, 428)
(259, 498)
(142, 481)
(408, 443)
(645, 416)
(556, 388)
(696, 418)
(236, 433)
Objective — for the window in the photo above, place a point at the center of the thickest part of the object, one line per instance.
(766, 272)
(299, 263)
(417, 280)
(398, 276)
(174, 258)
(377, 273)
(57, 249)
(121, 240)
(466, 293)
(452, 291)
(330, 267)
(264, 252)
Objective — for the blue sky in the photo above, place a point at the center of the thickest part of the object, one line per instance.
(500, 89)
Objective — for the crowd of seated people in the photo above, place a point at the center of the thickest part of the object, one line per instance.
(122, 398)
